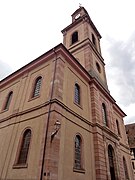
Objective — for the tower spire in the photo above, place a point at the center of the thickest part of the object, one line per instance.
(80, 5)
(82, 39)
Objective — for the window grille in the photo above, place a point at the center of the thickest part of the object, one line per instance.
(78, 152)
(37, 87)
(24, 147)
(77, 94)
(111, 162)
(104, 115)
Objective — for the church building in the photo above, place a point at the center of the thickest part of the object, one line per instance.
(58, 120)
(130, 131)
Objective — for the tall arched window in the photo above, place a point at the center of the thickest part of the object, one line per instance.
(118, 128)
(37, 86)
(8, 101)
(22, 159)
(133, 165)
(78, 152)
(77, 94)
(111, 162)
(125, 169)
(74, 37)
(104, 114)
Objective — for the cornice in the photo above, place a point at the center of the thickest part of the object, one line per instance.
(83, 43)
(60, 49)
(28, 67)
(56, 101)
(106, 130)
(125, 146)
(117, 108)
(102, 89)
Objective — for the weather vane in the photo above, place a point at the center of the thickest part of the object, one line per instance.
(80, 5)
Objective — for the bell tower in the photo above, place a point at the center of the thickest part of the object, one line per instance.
(82, 39)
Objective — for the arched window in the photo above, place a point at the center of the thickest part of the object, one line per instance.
(104, 114)
(78, 152)
(98, 67)
(111, 162)
(125, 169)
(9, 97)
(77, 94)
(37, 87)
(74, 37)
(22, 159)
(93, 39)
(133, 165)
(118, 128)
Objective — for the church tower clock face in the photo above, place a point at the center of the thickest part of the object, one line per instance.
(77, 16)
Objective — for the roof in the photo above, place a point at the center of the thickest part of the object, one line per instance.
(39, 60)
(60, 48)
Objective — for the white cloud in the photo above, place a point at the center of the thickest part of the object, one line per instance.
(5, 70)
(121, 74)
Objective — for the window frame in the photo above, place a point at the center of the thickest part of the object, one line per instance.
(112, 160)
(98, 67)
(94, 41)
(78, 152)
(104, 115)
(16, 163)
(36, 88)
(74, 37)
(133, 165)
(81, 168)
(125, 169)
(118, 127)
(77, 94)
(8, 101)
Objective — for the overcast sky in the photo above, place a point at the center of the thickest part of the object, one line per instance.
(29, 28)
